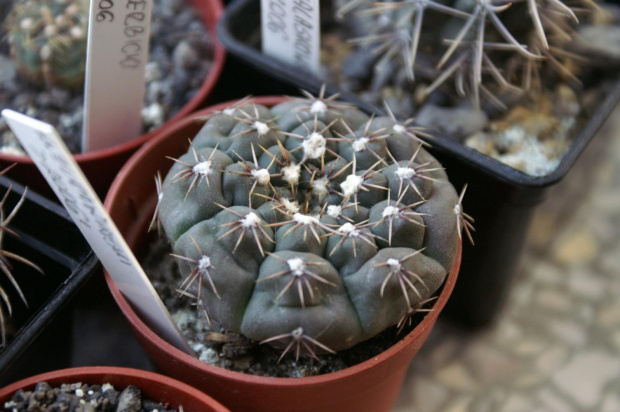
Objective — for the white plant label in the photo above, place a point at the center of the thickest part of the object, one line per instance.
(53, 159)
(291, 32)
(118, 49)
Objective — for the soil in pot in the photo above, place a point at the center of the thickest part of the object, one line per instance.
(102, 388)
(69, 396)
(181, 56)
(531, 111)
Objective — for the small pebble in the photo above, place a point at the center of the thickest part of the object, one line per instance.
(185, 56)
(455, 123)
(566, 102)
(153, 115)
(129, 400)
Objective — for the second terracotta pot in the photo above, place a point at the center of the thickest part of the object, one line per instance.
(372, 385)
(101, 166)
(153, 386)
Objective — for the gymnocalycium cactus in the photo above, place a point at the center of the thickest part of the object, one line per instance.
(48, 41)
(309, 226)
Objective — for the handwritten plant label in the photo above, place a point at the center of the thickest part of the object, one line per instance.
(118, 47)
(291, 32)
(53, 159)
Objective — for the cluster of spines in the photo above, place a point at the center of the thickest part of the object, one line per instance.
(466, 58)
(5, 255)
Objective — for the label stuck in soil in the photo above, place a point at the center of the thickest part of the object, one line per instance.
(118, 49)
(46, 148)
(291, 32)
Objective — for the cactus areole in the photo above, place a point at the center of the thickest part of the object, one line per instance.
(296, 226)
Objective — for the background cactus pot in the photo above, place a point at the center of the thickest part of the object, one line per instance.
(502, 199)
(39, 333)
(101, 166)
(153, 386)
(371, 385)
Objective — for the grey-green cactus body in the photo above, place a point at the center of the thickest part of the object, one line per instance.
(48, 41)
(304, 237)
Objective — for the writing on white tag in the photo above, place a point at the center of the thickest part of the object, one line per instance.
(118, 49)
(291, 32)
(57, 165)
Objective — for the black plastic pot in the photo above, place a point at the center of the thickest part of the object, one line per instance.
(42, 331)
(501, 199)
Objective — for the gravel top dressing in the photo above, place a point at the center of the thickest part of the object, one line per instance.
(82, 397)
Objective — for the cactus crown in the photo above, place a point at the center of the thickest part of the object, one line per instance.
(48, 41)
(489, 47)
(291, 232)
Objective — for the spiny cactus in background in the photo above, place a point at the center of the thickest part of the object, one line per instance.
(482, 44)
(309, 226)
(5, 264)
(48, 41)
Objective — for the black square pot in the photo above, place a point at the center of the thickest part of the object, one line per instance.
(501, 199)
(40, 340)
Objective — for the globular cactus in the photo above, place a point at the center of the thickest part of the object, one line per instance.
(309, 226)
(48, 41)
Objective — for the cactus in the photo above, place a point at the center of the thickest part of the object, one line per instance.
(48, 41)
(309, 226)
(5, 255)
(482, 44)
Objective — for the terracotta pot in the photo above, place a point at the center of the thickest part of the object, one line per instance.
(369, 386)
(156, 387)
(101, 166)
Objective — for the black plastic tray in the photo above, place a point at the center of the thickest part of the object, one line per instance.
(500, 198)
(49, 238)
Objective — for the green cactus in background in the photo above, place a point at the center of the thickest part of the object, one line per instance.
(309, 226)
(48, 41)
